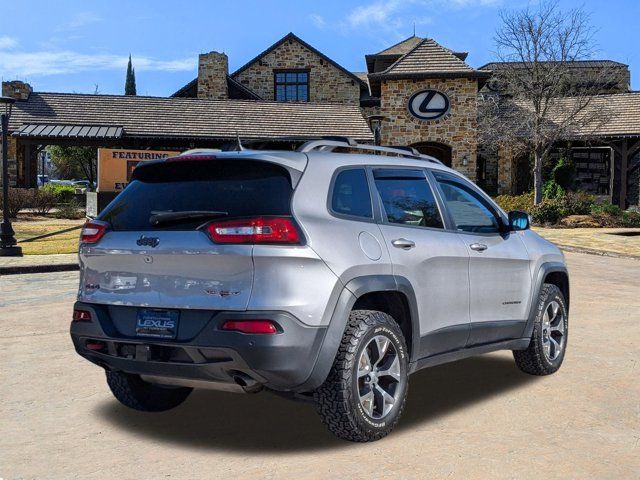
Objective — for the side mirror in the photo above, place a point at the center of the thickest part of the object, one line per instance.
(519, 221)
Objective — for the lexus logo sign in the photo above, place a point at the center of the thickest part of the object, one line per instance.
(428, 104)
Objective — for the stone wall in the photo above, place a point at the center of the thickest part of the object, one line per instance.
(213, 68)
(13, 171)
(326, 82)
(456, 129)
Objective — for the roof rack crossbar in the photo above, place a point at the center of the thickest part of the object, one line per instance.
(328, 144)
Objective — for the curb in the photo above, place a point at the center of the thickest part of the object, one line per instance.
(591, 251)
(22, 269)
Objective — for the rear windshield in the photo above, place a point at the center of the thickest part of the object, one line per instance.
(241, 188)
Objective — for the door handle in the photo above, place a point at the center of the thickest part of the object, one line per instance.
(403, 243)
(478, 247)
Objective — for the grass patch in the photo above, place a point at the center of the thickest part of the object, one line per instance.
(29, 226)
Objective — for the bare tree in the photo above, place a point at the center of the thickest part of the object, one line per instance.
(538, 96)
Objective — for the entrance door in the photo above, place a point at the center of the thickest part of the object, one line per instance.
(435, 149)
(499, 269)
(435, 261)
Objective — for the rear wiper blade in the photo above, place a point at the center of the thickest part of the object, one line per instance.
(158, 218)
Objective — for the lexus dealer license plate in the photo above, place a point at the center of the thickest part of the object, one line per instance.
(156, 323)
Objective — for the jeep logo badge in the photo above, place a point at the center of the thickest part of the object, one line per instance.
(428, 105)
(148, 241)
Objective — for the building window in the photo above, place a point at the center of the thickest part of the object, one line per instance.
(292, 86)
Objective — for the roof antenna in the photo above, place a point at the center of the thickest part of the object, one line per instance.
(414, 29)
(238, 146)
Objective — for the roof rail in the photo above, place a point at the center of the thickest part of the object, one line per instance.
(328, 144)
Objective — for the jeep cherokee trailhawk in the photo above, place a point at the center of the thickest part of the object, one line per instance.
(321, 275)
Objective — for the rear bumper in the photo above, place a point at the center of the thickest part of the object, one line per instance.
(202, 351)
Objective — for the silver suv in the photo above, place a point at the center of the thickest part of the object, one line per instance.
(321, 275)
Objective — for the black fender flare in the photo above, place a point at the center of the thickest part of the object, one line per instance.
(538, 280)
(347, 298)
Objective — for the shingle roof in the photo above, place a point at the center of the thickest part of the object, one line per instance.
(429, 58)
(402, 47)
(192, 118)
(574, 64)
(621, 112)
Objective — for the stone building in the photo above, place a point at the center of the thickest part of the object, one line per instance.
(416, 93)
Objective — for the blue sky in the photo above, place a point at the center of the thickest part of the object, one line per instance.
(74, 45)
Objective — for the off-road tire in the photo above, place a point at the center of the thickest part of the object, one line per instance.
(337, 400)
(533, 360)
(133, 392)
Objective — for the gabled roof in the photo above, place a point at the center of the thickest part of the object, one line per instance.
(427, 59)
(186, 118)
(292, 37)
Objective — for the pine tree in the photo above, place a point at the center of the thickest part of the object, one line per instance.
(130, 83)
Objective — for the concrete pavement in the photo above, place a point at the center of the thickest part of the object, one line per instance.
(474, 419)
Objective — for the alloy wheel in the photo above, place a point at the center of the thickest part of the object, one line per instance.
(379, 377)
(553, 331)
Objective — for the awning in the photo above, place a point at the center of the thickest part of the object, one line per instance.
(69, 131)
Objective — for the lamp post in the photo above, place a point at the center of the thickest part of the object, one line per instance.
(8, 242)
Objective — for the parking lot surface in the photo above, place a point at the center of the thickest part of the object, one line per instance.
(476, 418)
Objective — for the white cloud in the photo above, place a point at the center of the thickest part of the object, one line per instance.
(379, 12)
(22, 64)
(7, 43)
(317, 20)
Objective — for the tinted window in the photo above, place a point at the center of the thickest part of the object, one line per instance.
(351, 194)
(407, 198)
(469, 211)
(242, 188)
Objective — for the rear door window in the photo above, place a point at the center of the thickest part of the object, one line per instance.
(240, 188)
(351, 194)
(407, 197)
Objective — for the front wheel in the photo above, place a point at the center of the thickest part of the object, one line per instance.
(135, 393)
(362, 398)
(549, 337)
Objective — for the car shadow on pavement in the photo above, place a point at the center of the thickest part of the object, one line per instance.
(267, 423)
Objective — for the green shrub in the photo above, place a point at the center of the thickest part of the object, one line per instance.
(71, 210)
(606, 209)
(523, 203)
(548, 212)
(63, 193)
(551, 189)
(564, 173)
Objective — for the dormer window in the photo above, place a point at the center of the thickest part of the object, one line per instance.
(291, 86)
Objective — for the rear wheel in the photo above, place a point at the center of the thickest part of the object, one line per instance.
(362, 398)
(549, 338)
(133, 392)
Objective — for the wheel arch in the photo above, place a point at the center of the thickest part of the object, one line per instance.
(549, 272)
(388, 294)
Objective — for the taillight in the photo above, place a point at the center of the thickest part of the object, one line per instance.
(93, 230)
(251, 326)
(81, 316)
(255, 230)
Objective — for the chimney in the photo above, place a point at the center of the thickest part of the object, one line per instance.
(213, 68)
(16, 89)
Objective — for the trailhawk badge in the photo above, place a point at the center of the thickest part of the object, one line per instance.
(428, 105)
